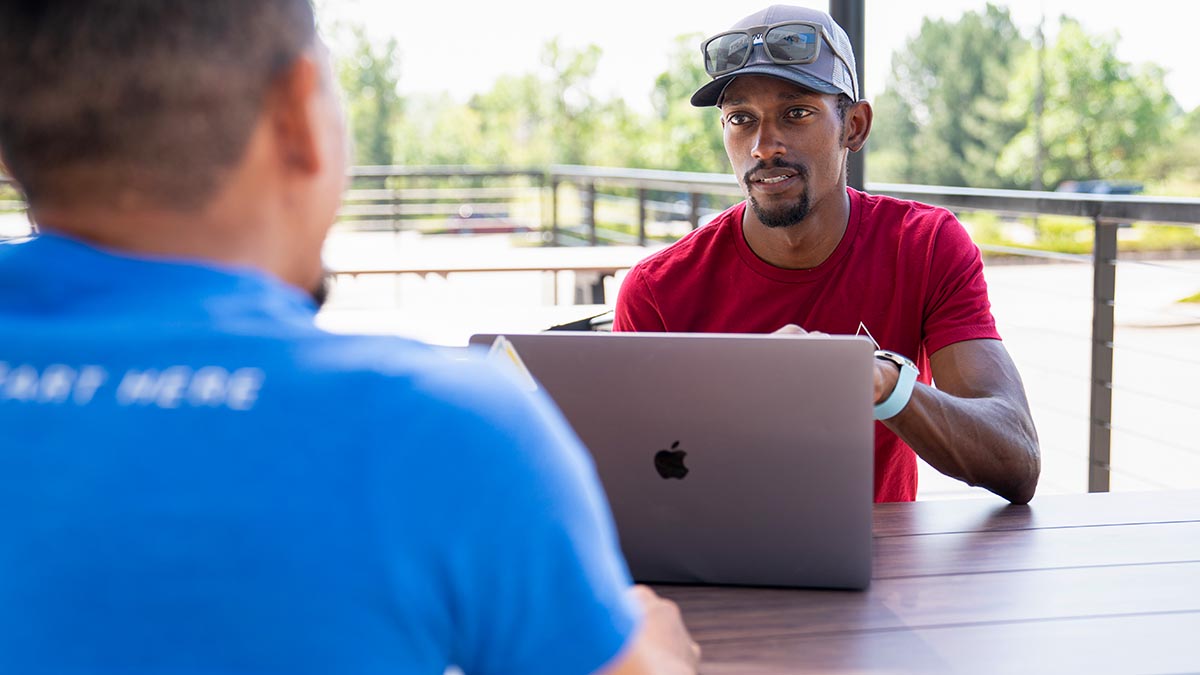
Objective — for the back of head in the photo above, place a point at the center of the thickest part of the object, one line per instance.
(152, 100)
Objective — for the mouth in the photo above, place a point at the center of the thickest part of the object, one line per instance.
(773, 181)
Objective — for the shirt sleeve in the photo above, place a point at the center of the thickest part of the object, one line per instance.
(636, 309)
(956, 300)
(535, 571)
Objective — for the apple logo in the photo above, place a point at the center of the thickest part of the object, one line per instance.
(669, 463)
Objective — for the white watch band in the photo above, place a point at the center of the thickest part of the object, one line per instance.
(895, 402)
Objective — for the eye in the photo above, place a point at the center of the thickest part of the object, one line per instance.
(738, 118)
(797, 113)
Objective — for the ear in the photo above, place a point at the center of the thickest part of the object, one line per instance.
(858, 126)
(293, 114)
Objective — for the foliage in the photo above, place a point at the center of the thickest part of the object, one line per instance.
(1065, 234)
(891, 153)
(1103, 116)
(958, 110)
(1173, 167)
(686, 138)
(940, 119)
(369, 78)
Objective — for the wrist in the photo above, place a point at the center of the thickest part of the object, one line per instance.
(900, 394)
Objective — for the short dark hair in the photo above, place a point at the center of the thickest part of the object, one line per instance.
(158, 97)
(844, 104)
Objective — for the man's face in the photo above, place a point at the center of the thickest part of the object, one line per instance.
(785, 145)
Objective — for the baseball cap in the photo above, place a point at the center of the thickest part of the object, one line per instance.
(828, 74)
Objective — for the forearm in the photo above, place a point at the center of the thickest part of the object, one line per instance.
(988, 441)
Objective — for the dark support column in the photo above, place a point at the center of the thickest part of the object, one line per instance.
(851, 15)
(641, 216)
(694, 210)
(1104, 267)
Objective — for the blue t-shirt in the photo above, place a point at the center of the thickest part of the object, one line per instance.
(194, 479)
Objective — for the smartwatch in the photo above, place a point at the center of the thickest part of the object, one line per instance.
(895, 402)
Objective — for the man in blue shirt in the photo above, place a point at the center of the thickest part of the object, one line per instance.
(194, 479)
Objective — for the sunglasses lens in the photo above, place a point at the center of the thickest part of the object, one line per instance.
(792, 44)
(726, 52)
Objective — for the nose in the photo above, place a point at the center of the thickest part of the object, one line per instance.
(768, 142)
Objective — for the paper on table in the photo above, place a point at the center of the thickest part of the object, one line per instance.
(503, 351)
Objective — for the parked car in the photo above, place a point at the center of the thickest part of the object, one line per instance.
(1102, 187)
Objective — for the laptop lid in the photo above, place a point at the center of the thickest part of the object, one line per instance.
(727, 459)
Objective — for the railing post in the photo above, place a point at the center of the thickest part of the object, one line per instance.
(554, 211)
(641, 216)
(589, 211)
(397, 203)
(694, 210)
(1104, 270)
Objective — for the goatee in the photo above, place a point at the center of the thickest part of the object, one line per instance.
(788, 214)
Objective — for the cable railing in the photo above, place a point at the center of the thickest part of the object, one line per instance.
(1139, 401)
(579, 205)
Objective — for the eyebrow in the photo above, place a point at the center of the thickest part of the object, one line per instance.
(786, 96)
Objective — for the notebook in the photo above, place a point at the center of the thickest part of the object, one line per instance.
(727, 459)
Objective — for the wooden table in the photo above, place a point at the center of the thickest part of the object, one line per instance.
(1094, 583)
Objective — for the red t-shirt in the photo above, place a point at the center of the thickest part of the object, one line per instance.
(908, 271)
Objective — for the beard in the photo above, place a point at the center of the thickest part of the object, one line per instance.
(787, 214)
(320, 292)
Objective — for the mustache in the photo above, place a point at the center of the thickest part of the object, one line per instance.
(800, 169)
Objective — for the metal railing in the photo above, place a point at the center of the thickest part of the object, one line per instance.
(632, 206)
(1107, 213)
(607, 205)
(595, 205)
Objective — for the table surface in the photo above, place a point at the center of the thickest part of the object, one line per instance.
(1094, 583)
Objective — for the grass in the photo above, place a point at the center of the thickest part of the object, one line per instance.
(1065, 234)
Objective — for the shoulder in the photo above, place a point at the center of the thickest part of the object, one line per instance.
(903, 212)
(913, 226)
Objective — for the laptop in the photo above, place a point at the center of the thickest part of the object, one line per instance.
(727, 459)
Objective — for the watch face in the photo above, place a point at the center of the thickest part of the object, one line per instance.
(898, 359)
(891, 356)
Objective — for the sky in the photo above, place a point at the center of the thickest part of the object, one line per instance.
(636, 36)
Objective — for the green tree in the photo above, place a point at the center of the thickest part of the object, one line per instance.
(1173, 168)
(1103, 117)
(949, 86)
(514, 122)
(685, 138)
(574, 113)
(370, 77)
(890, 147)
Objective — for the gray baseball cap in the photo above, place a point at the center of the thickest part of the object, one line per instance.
(828, 74)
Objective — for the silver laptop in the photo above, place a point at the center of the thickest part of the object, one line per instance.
(727, 459)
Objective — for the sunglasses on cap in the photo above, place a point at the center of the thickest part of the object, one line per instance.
(788, 43)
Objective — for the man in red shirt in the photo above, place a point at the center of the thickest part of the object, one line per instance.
(806, 253)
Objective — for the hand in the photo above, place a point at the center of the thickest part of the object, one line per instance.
(887, 373)
(793, 329)
(665, 633)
